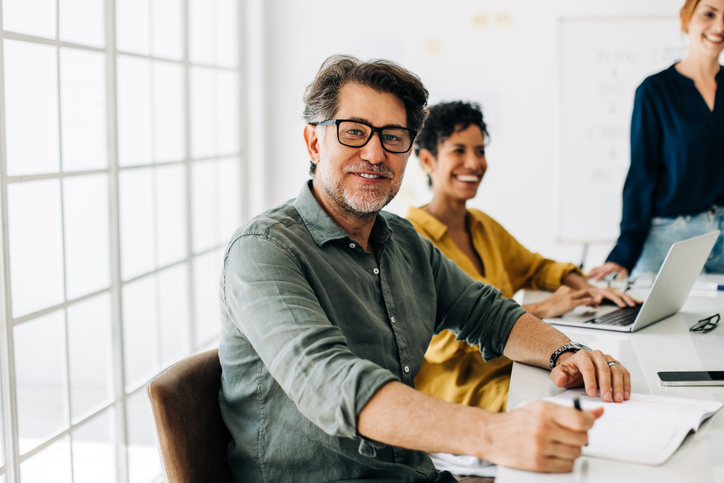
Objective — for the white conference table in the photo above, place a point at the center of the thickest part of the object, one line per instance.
(667, 345)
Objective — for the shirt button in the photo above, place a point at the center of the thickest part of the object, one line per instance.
(407, 368)
(393, 319)
(376, 271)
(352, 245)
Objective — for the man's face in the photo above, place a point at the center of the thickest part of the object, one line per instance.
(360, 181)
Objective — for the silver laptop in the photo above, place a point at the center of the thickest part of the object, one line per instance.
(682, 266)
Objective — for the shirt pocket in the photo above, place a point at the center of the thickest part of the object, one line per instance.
(665, 223)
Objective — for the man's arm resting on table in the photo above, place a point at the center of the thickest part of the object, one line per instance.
(539, 436)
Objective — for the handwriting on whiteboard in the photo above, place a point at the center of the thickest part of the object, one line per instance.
(602, 62)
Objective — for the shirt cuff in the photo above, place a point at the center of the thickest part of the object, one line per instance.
(554, 278)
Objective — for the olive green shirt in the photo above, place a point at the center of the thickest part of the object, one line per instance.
(313, 325)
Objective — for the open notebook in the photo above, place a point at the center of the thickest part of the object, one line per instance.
(645, 429)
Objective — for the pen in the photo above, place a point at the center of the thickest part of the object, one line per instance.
(577, 405)
(610, 277)
(708, 286)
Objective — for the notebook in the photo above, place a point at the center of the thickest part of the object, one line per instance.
(671, 287)
(646, 429)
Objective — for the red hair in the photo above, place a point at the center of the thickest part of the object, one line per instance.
(686, 12)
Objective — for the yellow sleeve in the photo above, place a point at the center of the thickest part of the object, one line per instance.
(444, 347)
(527, 269)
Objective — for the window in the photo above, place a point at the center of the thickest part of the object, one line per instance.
(121, 178)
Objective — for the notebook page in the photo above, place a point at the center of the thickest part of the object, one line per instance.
(645, 429)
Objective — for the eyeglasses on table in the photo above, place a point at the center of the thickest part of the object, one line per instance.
(706, 325)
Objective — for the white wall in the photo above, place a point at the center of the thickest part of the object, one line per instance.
(501, 53)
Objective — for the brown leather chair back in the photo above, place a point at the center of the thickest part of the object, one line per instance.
(191, 434)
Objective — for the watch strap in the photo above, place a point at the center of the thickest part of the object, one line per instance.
(569, 347)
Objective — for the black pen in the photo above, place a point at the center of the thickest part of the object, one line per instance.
(577, 405)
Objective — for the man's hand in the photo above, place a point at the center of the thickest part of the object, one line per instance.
(591, 369)
(561, 302)
(540, 436)
(599, 272)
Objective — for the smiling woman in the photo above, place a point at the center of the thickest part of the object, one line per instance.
(674, 189)
(451, 148)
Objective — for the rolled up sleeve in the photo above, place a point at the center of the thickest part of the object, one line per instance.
(528, 269)
(473, 311)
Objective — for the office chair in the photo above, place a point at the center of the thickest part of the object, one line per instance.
(192, 436)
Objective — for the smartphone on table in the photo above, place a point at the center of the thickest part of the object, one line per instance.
(691, 378)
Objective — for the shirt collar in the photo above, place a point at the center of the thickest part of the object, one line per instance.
(431, 225)
(672, 70)
(381, 230)
(323, 228)
(434, 227)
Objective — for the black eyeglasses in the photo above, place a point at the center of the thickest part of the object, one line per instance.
(706, 325)
(356, 134)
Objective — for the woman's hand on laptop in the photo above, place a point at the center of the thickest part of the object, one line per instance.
(616, 296)
(609, 267)
(560, 302)
(595, 371)
(595, 295)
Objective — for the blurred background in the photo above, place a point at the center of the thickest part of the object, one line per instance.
(137, 135)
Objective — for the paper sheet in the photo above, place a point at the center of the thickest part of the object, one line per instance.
(645, 429)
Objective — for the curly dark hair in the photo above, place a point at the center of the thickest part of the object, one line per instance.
(444, 119)
(321, 98)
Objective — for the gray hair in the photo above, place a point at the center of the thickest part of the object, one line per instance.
(321, 98)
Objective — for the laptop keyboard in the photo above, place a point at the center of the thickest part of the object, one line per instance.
(621, 317)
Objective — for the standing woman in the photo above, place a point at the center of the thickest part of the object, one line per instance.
(675, 185)
(451, 148)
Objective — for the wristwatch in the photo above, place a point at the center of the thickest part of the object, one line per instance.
(570, 347)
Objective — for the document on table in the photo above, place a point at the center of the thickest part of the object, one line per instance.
(645, 429)
(463, 465)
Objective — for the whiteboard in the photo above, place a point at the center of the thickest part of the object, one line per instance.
(602, 62)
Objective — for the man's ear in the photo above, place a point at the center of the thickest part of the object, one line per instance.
(427, 160)
(311, 139)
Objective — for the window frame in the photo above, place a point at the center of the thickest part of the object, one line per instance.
(10, 468)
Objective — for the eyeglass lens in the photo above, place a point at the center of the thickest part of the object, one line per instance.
(706, 325)
(356, 134)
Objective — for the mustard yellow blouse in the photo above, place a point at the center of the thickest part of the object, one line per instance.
(453, 370)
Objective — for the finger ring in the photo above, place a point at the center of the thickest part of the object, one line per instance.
(612, 363)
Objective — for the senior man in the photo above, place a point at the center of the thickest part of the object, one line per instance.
(328, 305)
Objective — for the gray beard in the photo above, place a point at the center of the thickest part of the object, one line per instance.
(361, 205)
